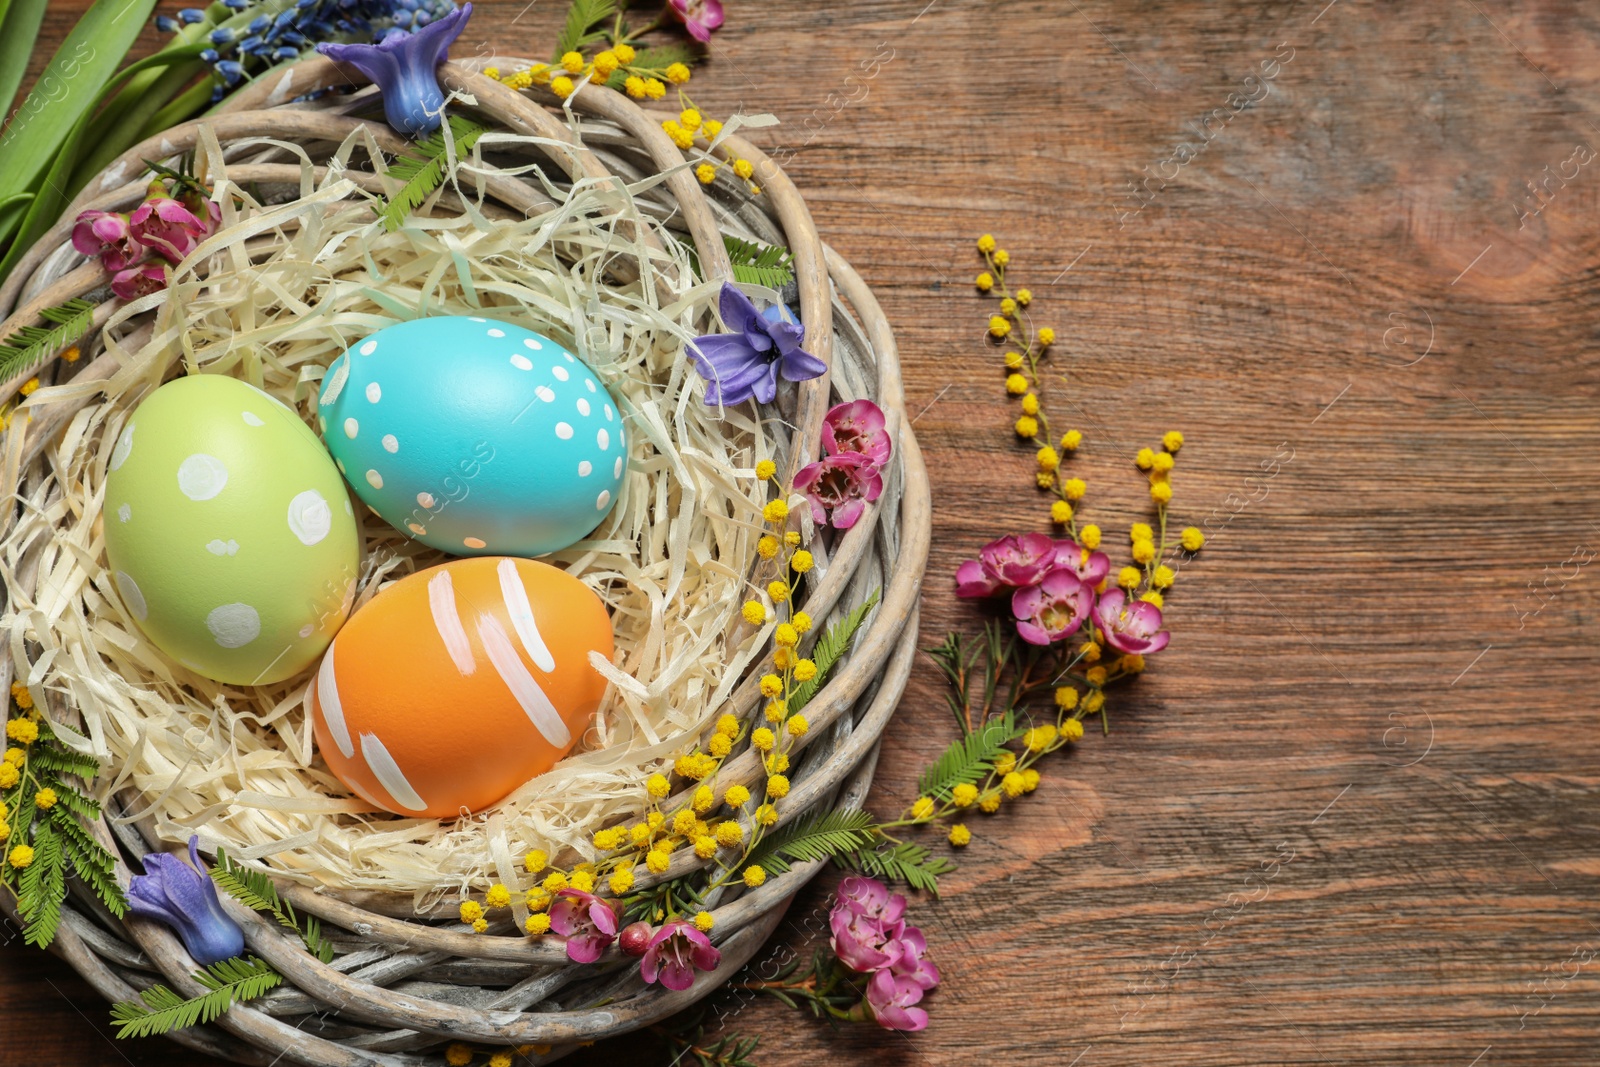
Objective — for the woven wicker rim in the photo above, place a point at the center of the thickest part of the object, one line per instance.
(400, 982)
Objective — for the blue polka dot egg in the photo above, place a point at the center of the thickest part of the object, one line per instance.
(474, 436)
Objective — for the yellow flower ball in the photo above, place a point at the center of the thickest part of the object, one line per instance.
(1072, 730)
(777, 763)
(1071, 440)
(736, 796)
(754, 612)
(754, 876)
(984, 282)
(1193, 539)
(1047, 337)
(730, 834)
(778, 590)
(1030, 404)
(683, 821)
(1048, 459)
(1161, 492)
(71, 355)
(458, 1055)
(776, 511)
(554, 882)
(1153, 597)
(677, 74)
(762, 739)
(963, 795)
(1024, 297)
(657, 786)
(777, 787)
(706, 173)
(805, 670)
(690, 118)
(792, 538)
(562, 86)
(771, 685)
(802, 561)
(986, 243)
(572, 62)
(1131, 664)
(1030, 780)
(767, 815)
(1145, 459)
(500, 1059)
(1128, 577)
(797, 726)
(801, 621)
(1075, 488)
(776, 710)
(766, 469)
(1005, 762)
(535, 861)
(1027, 426)
(1060, 512)
(498, 896)
(29, 387)
(583, 881)
(471, 911)
(720, 745)
(605, 63)
(704, 799)
(1039, 738)
(1144, 551)
(1095, 675)
(625, 53)
(654, 89)
(656, 861)
(705, 846)
(1016, 384)
(999, 327)
(684, 139)
(24, 731)
(1163, 577)
(767, 546)
(621, 881)
(1066, 698)
(704, 922)
(1172, 440)
(729, 725)
(537, 898)
(742, 167)
(990, 803)
(1008, 306)
(1090, 652)
(1162, 463)
(1013, 360)
(782, 658)
(960, 836)
(923, 808)
(1013, 784)
(1094, 701)
(1001, 257)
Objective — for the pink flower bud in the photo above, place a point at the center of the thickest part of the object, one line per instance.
(634, 939)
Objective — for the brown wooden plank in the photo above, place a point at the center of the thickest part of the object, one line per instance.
(1371, 593)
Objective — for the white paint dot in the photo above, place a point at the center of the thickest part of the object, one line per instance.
(369, 348)
(616, 468)
(560, 373)
(474, 318)
(310, 517)
(603, 439)
(351, 428)
(570, 357)
(563, 431)
(497, 333)
(125, 513)
(375, 480)
(590, 383)
(425, 499)
(532, 343)
(584, 468)
(251, 418)
(583, 406)
(119, 454)
(417, 528)
(340, 464)
(374, 392)
(521, 362)
(390, 444)
(348, 510)
(474, 542)
(602, 500)
(234, 625)
(132, 596)
(307, 630)
(202, 477)
(545, 393)
(609, 413)
(219, 547)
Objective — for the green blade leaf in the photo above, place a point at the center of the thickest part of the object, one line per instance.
(19, 30)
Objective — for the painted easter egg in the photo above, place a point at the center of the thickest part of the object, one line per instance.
(474, 436)
(457, 684)
(229, 535)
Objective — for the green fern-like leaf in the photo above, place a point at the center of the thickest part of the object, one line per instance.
(969, 758)
(819, 836)
(255, 891)
(77, 803)
(423, 174)
(829, 647)
(758, 264)
(906, 862)
(162, 1011)
(30, 346)
(43, 886)
(583, 25)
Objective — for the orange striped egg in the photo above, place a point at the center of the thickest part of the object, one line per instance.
(457, 684)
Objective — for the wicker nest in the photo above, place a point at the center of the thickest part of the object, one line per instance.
(405, 980)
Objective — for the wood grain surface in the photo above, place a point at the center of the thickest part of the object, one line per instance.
(1352, 814)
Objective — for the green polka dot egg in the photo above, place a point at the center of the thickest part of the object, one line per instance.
(230, 538)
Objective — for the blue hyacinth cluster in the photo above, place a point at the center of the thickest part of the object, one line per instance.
(251, 35)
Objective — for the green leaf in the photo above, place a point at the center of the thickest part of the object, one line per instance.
(969, 758)
(31, 346)
(830, 646)
(583, 26)
(229, 982)
(819, 836)
(758, 264)
(42, 888)
(19, 31)
(422, 175)
(256, 891)
(906, 862)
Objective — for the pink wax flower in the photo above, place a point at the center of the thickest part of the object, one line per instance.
(891, 998)
(865, 925)
(139, 281)
(912, 965)
(699, 17)
(674, 953)
(839, 488)
(586, 921)
(1133, 627)
(1007, 564)
(858, 426)
(1052, 610)
(1090, 567)
(105, 235)
(168, 227)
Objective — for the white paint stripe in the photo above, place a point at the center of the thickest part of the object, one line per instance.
(332, 708)
(442, 599)
(515, 594)
(389, 774)
(508, 664)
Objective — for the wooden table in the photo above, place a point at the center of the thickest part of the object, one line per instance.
(1353, 813)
